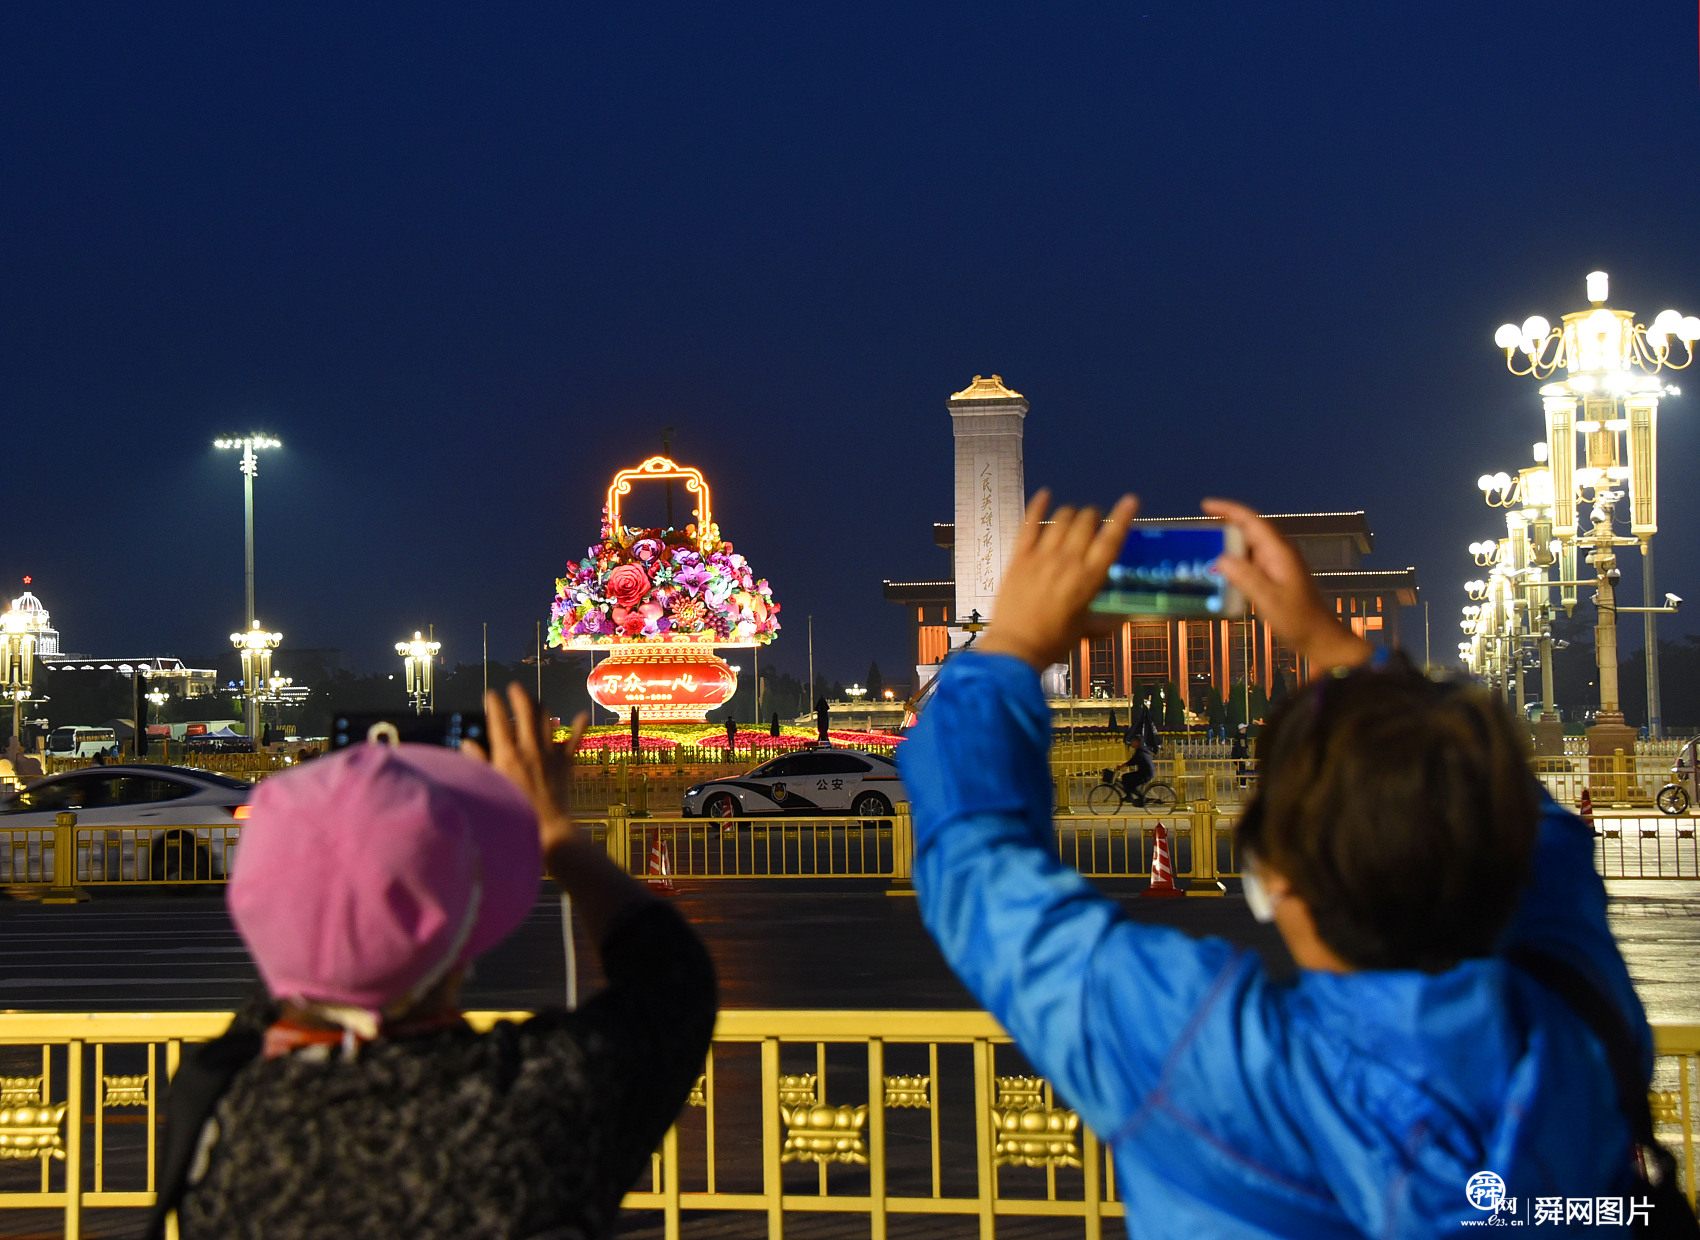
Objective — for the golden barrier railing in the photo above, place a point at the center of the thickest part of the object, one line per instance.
(789, 847)
(67, 860)
(868, 1113)
(66, 857)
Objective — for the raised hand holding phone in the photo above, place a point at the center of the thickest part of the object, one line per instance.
(1043, 607)
(1277, 583)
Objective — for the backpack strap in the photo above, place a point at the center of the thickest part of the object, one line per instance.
(200, 1082)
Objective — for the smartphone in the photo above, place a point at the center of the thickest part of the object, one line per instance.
(448, 730)
(1170, 570)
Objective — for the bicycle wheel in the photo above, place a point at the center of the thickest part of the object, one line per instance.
(1104, 799)
(1673, 799)
(1159, 796)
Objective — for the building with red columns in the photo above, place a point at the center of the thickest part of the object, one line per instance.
(1193, 653)
(988, 422)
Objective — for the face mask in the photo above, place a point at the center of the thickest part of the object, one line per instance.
(1257, 897)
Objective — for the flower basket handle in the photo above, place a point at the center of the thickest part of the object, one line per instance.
(659, 468)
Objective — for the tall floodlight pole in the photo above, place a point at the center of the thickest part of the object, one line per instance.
(419, 656)
(1602, 423)
(250, 466)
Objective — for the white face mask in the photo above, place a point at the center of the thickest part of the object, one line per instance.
(1257, 897)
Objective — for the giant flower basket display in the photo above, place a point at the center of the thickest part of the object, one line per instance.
(661, 600)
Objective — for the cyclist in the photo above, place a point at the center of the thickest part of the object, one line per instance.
(1139, 771)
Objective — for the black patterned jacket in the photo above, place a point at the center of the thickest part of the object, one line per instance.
(532, 1130)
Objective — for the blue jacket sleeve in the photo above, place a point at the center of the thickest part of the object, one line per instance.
(1562, 912)
(1094, 1000)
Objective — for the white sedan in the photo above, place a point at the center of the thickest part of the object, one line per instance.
(122, 806)
(849, 782)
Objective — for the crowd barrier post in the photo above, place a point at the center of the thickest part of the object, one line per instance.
(65, 889)
(902, 851)
(619, 838)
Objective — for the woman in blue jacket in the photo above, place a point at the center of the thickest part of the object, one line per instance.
(1400, 846)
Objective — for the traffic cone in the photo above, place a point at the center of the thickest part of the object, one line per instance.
(1585, 809)
(1162, 869)
(660, 875)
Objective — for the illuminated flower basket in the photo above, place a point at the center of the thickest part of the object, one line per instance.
(661, 600)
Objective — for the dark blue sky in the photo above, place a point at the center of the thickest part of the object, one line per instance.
(467, 260)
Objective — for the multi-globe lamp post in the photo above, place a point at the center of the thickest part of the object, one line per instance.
(419, 656)
(20, 632)
(255, 645)
(1519, 580)
(1601, 441)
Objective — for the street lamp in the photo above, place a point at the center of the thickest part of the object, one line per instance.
(250, 467)
(419, 655)
(255, 646)
(20, 632)
(1612, 366)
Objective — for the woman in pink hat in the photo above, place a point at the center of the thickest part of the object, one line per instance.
(356, 1101)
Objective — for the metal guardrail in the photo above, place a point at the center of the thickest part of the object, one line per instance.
(63, 863)
(877, 1114)
(789, 847)
(66, 858)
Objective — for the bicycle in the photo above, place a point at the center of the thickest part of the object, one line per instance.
(1109, 797)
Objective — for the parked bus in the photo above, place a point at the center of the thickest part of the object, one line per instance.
(79, 742)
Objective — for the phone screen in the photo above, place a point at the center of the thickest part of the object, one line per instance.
(448, 729)
(1170, 570)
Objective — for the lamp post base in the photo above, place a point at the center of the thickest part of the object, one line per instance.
(1604, 739)
(1549, 738)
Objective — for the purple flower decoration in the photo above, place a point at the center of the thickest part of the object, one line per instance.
(692, 579)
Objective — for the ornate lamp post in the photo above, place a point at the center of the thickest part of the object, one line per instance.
(20, 630)
(255, 646)
(250, 467)
(419, 655)
(1612, 366)
(1523, 558)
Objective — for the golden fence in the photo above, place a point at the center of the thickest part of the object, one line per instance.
(250, 766)
(65, 862)
(789, 847)
(875, 1114)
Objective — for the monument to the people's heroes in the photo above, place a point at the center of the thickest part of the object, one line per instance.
(987, 421)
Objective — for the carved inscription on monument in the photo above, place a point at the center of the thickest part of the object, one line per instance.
(986, 563)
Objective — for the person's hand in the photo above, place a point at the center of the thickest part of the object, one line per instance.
(1040, 613)
(539, 766)
(1275, 581)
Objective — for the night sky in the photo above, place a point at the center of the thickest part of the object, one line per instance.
(466, 261)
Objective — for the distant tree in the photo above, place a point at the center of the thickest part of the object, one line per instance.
(1281, 691)
(344, 691)
(1215, 710)
(203, 709)
(1172, 711)
(79, 697)
(876, 682)
(1236, 704)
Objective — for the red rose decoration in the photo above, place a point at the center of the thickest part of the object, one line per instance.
(627, 585)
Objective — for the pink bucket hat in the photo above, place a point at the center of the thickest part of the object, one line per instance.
(370, 873)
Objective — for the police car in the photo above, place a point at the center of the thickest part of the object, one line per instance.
(815, 781)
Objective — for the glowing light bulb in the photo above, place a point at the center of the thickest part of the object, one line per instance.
(1599, 286)
(1508, 336)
